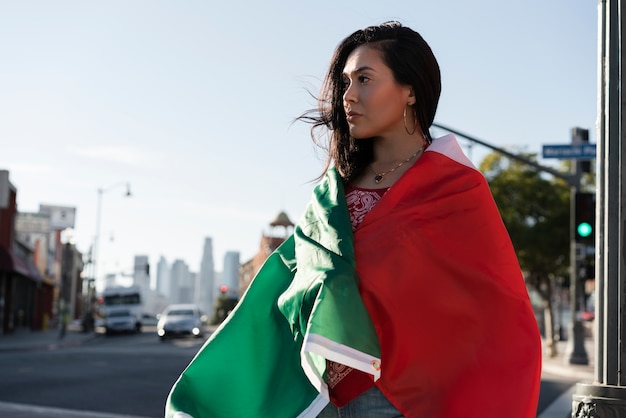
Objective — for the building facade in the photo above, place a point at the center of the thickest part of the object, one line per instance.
(31, 272)
(277, 232)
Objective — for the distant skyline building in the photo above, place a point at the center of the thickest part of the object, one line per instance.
(179, 281)
(176, 283)
(205, 280)
(162, 285)
(187, 290)
(230, 274)
(141, 273)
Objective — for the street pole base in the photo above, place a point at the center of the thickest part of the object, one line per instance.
(578, 358)
(576, 345)
(598, 401)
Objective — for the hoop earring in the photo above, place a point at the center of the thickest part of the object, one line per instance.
(414, 121)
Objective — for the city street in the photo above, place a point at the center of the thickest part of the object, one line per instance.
(129, 376)
(120, 374)
(556, 395)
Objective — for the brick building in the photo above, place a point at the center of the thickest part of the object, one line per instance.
(279, 230)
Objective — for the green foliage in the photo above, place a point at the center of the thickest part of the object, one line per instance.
(535, 209)
(223, 307)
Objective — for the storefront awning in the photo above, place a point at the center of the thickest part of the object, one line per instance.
(13, 263)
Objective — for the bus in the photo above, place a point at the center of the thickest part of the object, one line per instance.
(121, 309)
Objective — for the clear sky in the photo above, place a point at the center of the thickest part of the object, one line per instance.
(192, 103)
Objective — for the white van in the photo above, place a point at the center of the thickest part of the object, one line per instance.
(122, 309)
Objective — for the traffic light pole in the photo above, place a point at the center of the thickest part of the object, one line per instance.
(576, 352)
(606, 396)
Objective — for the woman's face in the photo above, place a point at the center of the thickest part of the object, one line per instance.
(373, 100)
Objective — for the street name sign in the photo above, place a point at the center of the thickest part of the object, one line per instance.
(570, 152)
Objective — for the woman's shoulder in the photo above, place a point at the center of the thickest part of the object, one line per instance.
(448, 145)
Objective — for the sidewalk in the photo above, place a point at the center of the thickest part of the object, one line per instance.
(560, 366)
(24, 339)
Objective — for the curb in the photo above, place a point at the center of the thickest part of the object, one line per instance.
(49, 346)
(43, 411)
(568, 370)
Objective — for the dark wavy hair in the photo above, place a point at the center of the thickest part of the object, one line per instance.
(411, 62)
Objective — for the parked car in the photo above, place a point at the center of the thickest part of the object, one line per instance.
(121, 320)
(180, 321)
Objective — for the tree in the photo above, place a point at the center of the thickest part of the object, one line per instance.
(535, 209)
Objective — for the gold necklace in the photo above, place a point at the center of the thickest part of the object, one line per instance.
(379, 177)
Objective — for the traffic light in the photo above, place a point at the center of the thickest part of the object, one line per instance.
(580, 136)
(585, 218)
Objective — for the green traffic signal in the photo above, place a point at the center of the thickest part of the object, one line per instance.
(584, 229)
(585, 218)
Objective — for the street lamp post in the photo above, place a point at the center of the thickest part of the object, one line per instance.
(606, 396)
(96, 241)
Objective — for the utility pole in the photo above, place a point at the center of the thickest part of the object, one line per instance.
(576, 343)
(606, 397)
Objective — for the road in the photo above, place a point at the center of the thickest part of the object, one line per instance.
(128, 375)
(552, 387)
(122, 374)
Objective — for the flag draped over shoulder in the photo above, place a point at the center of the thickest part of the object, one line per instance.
(268, 358)
(457, 332)
(426, 296)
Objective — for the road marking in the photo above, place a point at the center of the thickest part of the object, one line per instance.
(52, 412)
(561, 407)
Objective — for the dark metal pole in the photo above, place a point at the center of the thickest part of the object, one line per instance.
(576, 343)
(606, 397)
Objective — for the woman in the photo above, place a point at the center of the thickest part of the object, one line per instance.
(399, 293)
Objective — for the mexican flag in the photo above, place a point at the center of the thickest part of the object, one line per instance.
(426, 296)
